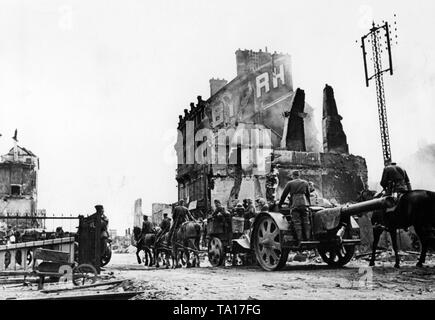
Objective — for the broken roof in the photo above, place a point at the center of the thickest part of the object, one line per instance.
(22, 152)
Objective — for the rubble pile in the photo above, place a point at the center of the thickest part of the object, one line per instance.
(106, 286)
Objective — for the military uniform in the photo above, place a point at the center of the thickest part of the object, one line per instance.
(147, 227)
(395, 179)
(299, 192)
(249, 214)
(221, 215)
(239, 211)
(165, 225)
(104, 235)
(180, 215)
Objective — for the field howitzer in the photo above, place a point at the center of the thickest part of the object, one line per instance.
(335, 233)
(328, 219)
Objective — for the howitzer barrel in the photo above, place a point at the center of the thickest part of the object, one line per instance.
(366, 206)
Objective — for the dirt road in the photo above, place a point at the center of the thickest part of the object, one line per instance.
(298, 280)
(308, 280)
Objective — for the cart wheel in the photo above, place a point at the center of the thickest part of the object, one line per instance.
(7, 258)
(28, 260)
(76, 252)
(84, 274)
(105, 258)
(337, 257)
(29, 257)
(216, 252)
(267, 245)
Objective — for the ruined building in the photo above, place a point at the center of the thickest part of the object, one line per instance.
(245, 139)
(18, 186)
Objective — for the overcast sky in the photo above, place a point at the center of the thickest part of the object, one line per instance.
(95, 87)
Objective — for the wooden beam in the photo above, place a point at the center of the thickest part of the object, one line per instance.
(101, 296)
(39, 243)
(51, 255)
(100, 284)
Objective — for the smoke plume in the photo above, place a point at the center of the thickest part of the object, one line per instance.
(421, 168)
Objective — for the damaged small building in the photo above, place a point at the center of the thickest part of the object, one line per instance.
(245, 139)
(18, 187)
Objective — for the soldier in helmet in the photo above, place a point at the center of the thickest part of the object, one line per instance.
(239, 210)
(299, 191)
(181, 214)
(147, 226)
(165, 225)
(262, 205)
(395, 179)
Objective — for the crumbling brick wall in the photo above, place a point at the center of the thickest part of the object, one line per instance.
(335, 176)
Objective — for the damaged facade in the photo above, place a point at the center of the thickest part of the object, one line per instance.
(18, 187)
(253, 131)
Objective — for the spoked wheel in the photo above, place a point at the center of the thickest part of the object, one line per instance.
(7, 259)
(28, 260)
(216, 252)
(105, 258)
(84, 274)
(337, 256)
(267, 245)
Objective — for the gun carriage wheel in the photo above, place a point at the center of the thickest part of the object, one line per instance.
(84, 274)
(337, 255)
(107, 255)
(268, 245)
(216, 252)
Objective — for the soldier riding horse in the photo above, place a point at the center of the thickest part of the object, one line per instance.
(184, 235)
(414, 208)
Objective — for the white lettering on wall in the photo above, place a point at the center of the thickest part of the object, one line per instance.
(262, 82)
(278, 75)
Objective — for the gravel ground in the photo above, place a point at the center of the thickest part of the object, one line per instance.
(298, 280)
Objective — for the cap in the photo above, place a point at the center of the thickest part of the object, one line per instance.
(260, 200)
(239, 205)
(98, 206)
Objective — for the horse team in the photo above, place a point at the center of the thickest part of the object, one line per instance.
(158, 246)
(415, 208)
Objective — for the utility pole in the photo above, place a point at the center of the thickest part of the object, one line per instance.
(379, 36)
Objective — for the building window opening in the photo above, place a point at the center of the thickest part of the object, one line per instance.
(15, 190)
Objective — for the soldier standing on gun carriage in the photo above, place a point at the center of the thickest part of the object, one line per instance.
(299, 191)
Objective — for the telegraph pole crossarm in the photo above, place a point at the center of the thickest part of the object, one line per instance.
(375, 36)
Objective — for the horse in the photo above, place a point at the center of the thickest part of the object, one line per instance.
(187, 238)
(415, 208)
(144, 243)
(162, 247)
